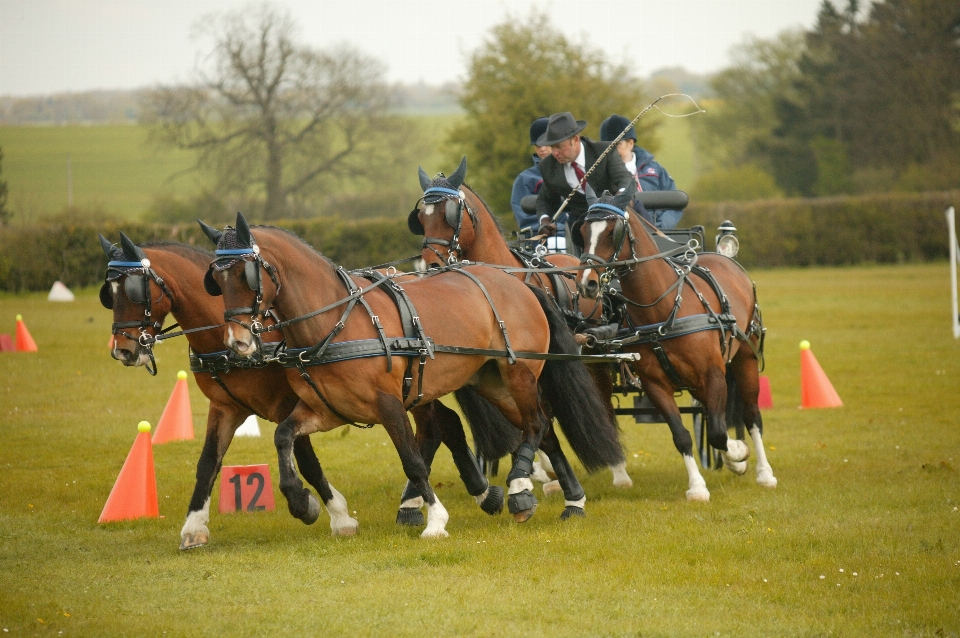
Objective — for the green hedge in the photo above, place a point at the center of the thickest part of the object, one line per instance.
(773, 233)
(33, 257)
(833, 231)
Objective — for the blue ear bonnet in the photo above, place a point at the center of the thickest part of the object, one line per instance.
(607, 207)
(436, 194)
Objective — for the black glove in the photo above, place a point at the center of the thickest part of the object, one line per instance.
(549, 229)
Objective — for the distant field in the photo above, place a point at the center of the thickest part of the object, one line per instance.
(116, 169)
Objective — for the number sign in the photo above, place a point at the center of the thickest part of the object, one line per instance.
(246, 488)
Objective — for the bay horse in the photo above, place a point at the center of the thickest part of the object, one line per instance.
(358, 382)
(461, 227)
(142, 296)
(698, 341)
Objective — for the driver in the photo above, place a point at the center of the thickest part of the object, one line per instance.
(563, 170)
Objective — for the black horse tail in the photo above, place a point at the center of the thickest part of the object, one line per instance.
(493, 435)
(569, 389)
(734, 413)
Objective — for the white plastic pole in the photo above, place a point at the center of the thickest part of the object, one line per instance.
(954, 256)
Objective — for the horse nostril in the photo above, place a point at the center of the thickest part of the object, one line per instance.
(591, 288)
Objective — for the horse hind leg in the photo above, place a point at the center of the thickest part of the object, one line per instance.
(733, 451)
(393, 416)
(663, 400)
(341, 523)
(748, 382)
(573, 494)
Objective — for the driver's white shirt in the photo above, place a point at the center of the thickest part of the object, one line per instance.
(571, 175)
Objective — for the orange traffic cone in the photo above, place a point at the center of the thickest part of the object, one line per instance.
(816, 391)
(765, 400)
(134, 495)
(176, 422)
(25, 342)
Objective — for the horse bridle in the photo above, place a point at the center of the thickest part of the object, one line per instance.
(453, 214)
(252, 271)
(137, 288)
(604, 212)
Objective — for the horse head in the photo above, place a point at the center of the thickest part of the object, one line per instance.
(237, 274)
(601, 234)
(439, 217)
(140, 301)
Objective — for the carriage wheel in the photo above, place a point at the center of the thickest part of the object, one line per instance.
(709, 457)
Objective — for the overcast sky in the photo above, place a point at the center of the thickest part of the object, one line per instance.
(51, 46)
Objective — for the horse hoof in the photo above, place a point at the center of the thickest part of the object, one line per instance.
(493, 504)
(767, 479)
(194, 540)
(553, 487)
(524, 516)
(698, 494)
(313, 510)
(348, 529)
(522, 505)
(623, 482)
(440, 533)
(737, 467)
(570, 511)
(411, 517)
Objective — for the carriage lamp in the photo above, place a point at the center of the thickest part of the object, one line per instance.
(727, 243)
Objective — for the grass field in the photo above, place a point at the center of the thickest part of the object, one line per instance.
(116, 169)
(859, 539)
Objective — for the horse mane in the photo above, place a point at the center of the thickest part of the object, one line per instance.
(298, 238)
(198, 256)
(486, 206)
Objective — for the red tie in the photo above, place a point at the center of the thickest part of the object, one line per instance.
(578, 173)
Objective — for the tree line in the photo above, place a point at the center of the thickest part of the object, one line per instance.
(868, 100)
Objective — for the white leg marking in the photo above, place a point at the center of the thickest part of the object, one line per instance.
(698, 487)
(412, 503)
(538, 474)
(735, 458)
(437, 518)
(520, 484)
(620, 476)
(580, 503)
(197, 521)
(480, 498)
(341, 523)
(551, 487)
(765, 475)
(544, 461)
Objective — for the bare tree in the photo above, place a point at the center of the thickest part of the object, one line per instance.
(270, 117)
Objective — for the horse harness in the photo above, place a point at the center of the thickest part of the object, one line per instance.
(683, 265)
